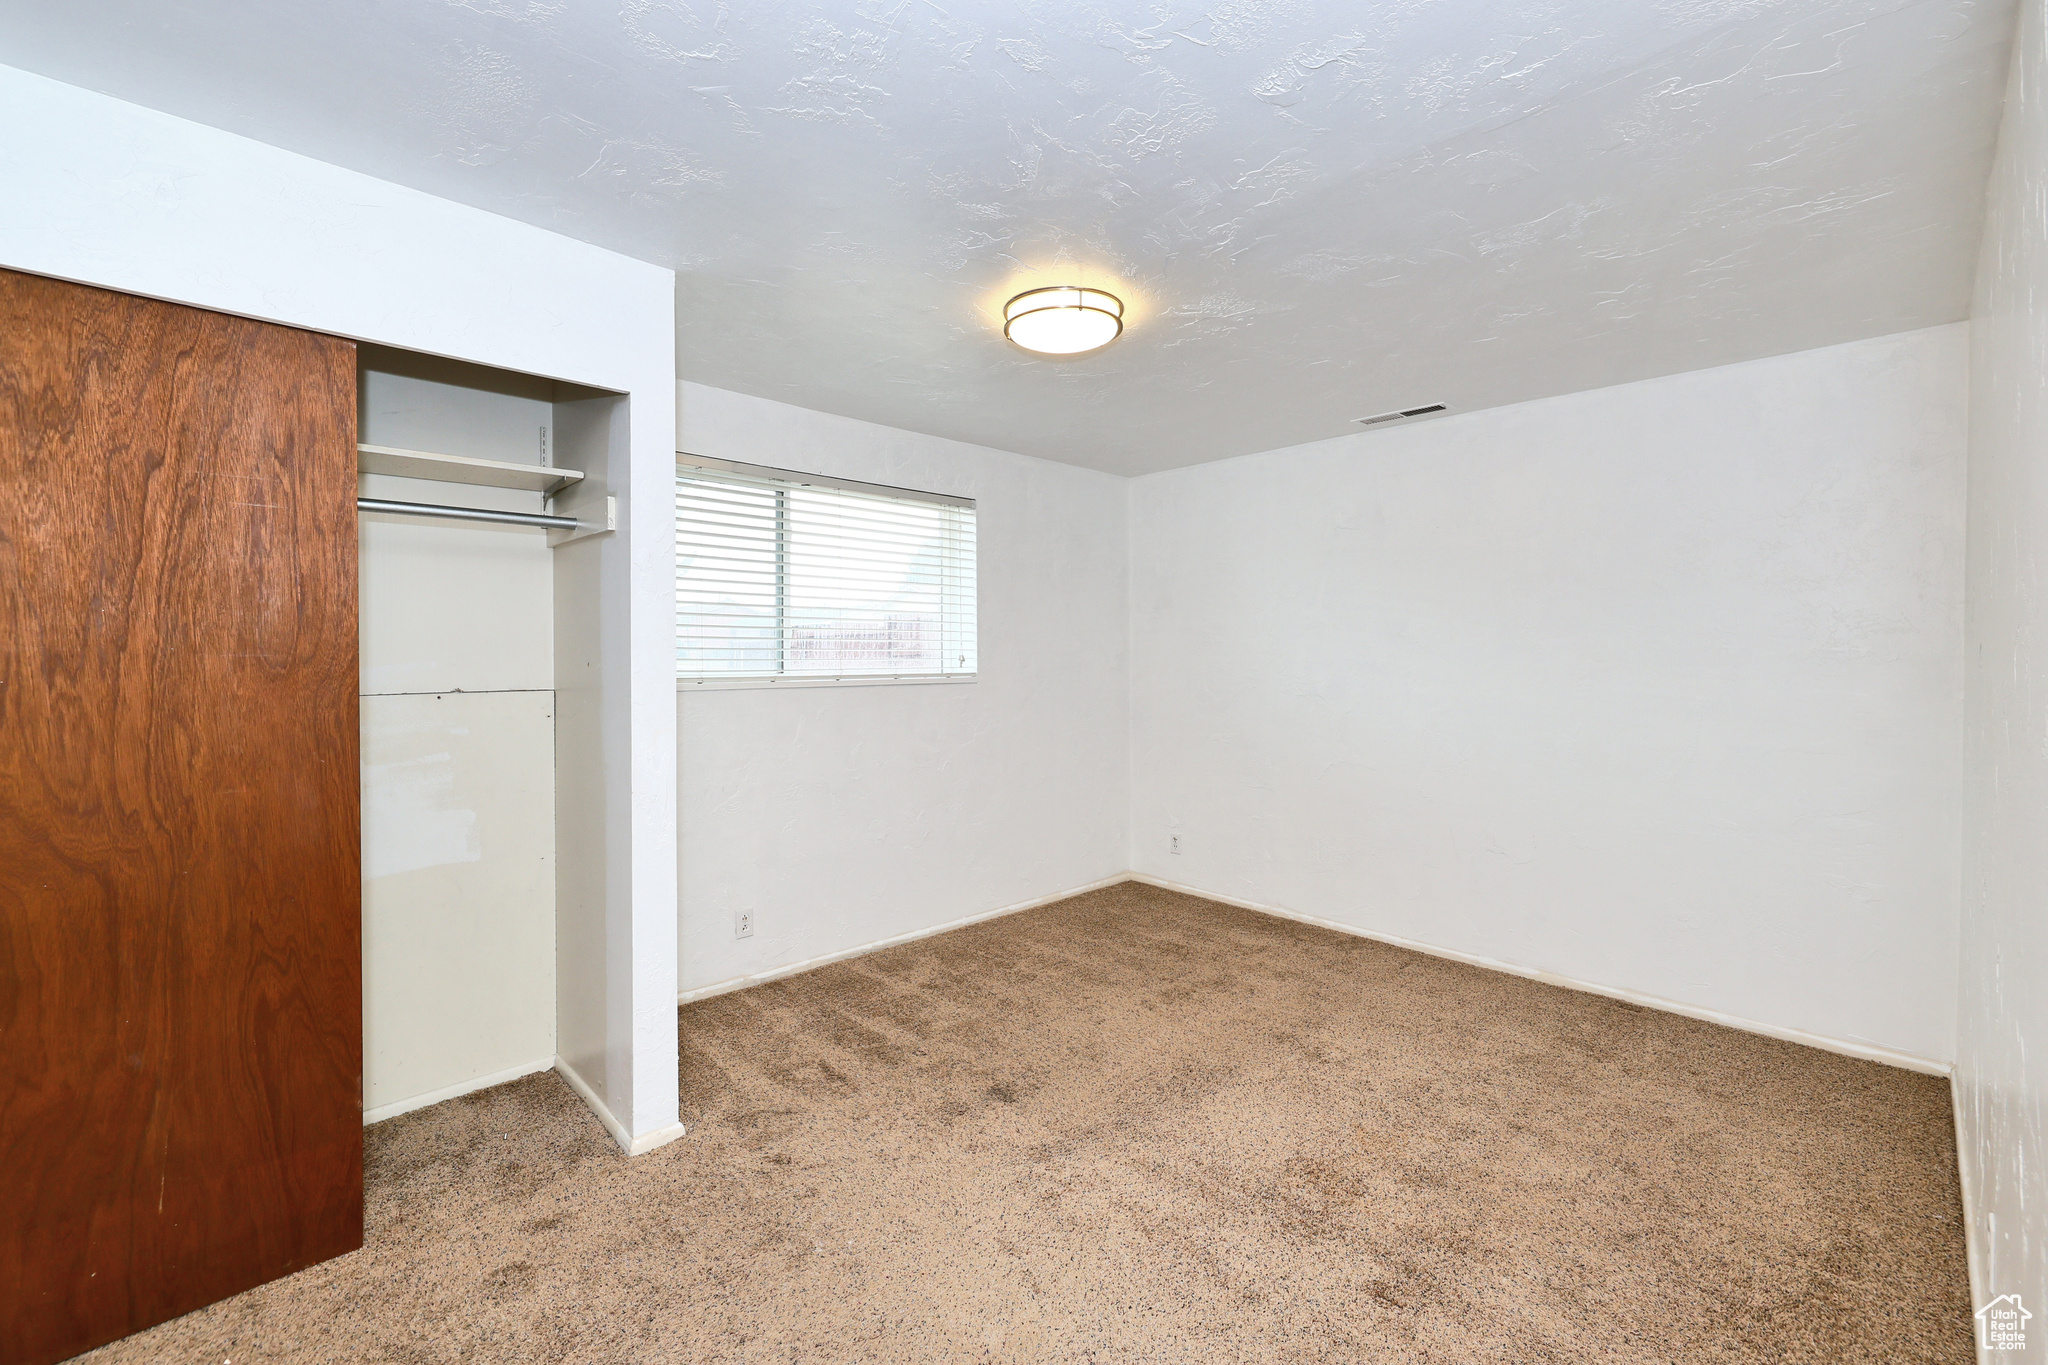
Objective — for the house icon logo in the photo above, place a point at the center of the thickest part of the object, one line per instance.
(2002, 1324)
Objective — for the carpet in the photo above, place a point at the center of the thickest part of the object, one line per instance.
(1140, 1126)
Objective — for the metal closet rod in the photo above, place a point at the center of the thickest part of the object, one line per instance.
(429, 509)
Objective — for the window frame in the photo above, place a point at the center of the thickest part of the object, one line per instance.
(687, 462)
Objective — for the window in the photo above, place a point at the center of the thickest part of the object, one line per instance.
(786, 576)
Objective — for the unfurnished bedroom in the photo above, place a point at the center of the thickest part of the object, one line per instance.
(1023, 681)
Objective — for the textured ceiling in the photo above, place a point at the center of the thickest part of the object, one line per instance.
(1315, 211)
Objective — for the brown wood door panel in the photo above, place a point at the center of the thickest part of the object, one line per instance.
(180, 907)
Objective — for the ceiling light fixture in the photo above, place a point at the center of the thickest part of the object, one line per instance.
(1063, 319)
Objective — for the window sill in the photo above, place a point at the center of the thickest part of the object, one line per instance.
(688, 685)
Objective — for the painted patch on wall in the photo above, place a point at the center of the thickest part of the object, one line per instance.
(409, 821)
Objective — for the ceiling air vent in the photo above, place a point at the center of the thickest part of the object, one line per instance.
(1398, 416)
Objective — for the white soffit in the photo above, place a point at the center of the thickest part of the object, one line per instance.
(1313, 211)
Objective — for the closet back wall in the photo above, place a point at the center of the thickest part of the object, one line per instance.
(458, 709)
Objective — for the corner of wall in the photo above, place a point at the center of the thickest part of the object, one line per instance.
(628, 1143)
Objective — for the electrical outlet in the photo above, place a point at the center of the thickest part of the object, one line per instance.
(743, 924)
(1173, 844)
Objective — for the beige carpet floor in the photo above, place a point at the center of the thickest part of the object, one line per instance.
(1138, 1126)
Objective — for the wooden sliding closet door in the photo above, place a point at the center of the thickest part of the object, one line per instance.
(180, 915)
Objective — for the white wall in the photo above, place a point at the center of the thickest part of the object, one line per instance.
(1654, 687)
(843, 815)
(451, 606)
(2001, 1073)
(112, 194)
(458, 724)
(458, 893)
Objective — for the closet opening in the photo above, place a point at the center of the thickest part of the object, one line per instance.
(483, 495)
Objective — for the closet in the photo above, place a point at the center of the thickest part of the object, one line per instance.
(184, 682)
(459, 717)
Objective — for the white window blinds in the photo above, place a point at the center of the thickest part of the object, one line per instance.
(782, 575)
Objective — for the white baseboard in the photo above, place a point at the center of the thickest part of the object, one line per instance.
(1868, 1052)
(449, 1092)
(660, 1137)
(630, 1145)
(1863, 1051)
(740, 983)
(1973, 1244)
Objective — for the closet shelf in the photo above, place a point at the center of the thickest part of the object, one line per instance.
(424, 464)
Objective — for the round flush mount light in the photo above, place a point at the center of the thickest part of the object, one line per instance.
(1063, 320)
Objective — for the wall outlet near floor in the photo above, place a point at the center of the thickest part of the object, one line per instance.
(1173, 843)
(743, 924)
